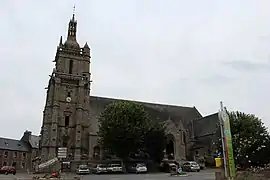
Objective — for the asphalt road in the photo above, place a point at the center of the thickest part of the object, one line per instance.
(159, 176)
(204, 175)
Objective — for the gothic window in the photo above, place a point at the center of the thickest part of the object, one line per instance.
(6, 154)
(65, 143)
(14, 164)
(68, 94)
(70, 66)
(24, 155)
(184, 137)
(4, 163)
(15, 155)
(66, 121)
(96, 154)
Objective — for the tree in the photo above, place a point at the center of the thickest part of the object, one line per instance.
(155, 141)
(123, 126)
(250, 139)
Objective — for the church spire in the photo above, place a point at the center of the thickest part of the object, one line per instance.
(71, 41)
(72, 27)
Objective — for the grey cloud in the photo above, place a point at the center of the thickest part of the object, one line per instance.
(217, 79)
(166, 51)
(248, 66)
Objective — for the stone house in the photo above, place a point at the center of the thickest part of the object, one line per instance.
(18, 153)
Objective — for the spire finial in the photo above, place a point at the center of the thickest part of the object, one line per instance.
(74, 7)
(73, 13)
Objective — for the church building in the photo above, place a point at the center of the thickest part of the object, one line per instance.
(70, 116)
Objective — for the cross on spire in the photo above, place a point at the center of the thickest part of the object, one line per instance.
(74, 7)
(73, 14)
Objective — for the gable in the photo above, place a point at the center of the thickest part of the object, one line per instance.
(34, 141)
(206, 125)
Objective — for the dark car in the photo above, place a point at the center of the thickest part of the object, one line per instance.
(168, 165)
(7, 170)
(99, 169)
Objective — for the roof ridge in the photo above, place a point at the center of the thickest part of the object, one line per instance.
(10, 139)
(145, 102)
(206, 116)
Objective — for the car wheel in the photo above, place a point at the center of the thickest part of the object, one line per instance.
(198, 170)
(14, 173)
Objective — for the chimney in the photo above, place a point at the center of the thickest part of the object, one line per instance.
(26, 136)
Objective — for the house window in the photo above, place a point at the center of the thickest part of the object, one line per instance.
(68, 94)
(70, 67)
(14, 164)
(6, 154)
(23, 165)
(66, 121)
(15, 155)
(5, 163)
(24, 155)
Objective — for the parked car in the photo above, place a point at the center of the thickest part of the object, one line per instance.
(8, 170)
(191, 166)
(138, 168)
(100, 168)
(83, 169)
(115, 168)
(167, 166)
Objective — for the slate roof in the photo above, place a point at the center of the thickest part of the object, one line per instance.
(12, 144)
(34, 141)
(205, 125)
(156, 111)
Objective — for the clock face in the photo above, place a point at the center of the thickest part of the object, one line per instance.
(68, 99)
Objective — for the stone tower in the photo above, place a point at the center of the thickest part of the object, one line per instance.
(66, 112)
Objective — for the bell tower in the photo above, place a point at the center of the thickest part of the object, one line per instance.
(66, 112)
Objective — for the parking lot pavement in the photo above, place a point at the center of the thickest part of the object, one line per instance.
(8, 177)
(157, 176)
(203, 175)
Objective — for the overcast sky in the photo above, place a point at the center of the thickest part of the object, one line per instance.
(191, 53)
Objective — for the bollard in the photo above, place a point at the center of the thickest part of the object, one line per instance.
(219, 176)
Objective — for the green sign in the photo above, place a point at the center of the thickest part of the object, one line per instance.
(228, 144)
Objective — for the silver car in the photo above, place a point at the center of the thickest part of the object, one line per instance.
(83, 169)
(191, 166)
(115, 168)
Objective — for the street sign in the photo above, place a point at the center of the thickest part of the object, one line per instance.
(47, 163)
(224, 117)
(62, 152)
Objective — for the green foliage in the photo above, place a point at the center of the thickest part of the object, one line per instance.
(125, 129)
(122, 127)
(250, 139)
(155, 142)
